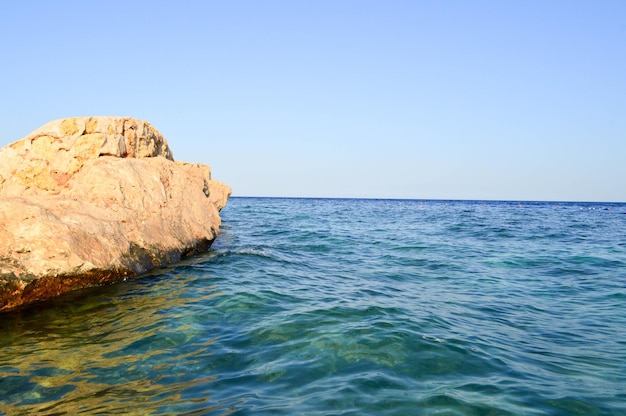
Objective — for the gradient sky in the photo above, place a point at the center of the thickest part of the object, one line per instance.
(516, 100)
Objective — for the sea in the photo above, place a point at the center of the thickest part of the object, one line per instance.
(346, 307)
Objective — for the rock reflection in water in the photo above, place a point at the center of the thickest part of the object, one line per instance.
(105, 350)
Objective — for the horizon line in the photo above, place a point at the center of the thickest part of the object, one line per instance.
(430, 199)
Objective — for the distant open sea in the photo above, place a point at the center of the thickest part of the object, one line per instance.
(346, 307)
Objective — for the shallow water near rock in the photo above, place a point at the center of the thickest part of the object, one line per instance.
(352, 307)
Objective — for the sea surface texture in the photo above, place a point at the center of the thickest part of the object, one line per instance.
(346, 307)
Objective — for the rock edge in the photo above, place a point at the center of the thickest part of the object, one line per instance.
(87, 201)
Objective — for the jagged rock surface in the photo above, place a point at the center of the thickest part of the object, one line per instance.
(91, 200)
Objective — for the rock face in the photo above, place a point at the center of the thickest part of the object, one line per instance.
(90, 200)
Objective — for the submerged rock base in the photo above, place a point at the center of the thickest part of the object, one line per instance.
(91, 200)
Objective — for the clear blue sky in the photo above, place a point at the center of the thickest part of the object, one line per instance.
(521, 100)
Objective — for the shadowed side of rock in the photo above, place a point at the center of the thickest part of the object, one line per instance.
(78, 211)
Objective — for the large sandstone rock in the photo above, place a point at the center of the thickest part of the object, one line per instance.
(91, 200)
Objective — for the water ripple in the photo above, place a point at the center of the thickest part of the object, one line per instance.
(326, 307)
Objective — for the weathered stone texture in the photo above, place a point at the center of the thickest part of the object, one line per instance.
(90, 200)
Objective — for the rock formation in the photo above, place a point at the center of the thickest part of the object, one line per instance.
(90, 200)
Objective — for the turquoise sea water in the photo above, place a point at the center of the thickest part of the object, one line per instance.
(346, 307)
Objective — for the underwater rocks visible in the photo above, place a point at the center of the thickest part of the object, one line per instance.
(91, 200)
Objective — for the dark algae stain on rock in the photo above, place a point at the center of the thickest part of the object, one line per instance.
(52, 286)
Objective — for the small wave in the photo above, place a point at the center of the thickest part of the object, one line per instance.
(345, 307)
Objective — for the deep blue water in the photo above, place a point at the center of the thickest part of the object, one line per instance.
(346, 307)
